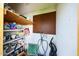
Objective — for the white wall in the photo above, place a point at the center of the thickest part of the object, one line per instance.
(66, 29)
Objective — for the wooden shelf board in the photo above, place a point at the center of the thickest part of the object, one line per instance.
(11, 41)
(13, 30)
(21, 53)
(13, 17)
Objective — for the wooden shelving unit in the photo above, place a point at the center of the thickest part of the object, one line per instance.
(11, 17)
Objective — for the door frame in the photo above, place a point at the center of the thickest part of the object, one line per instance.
(1, 29)
(78, 32)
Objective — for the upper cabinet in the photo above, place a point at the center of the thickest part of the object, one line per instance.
(10, 16)
(45, 23)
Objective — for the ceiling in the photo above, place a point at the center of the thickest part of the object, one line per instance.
(33, 8)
